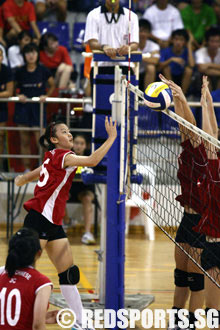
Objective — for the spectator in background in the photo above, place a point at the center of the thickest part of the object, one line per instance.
(80, 192)
(197, 18)
(49, 7)
(208, 57)
(15, 56)
(6, 90)
(177, 61)
(57, 59)
(18, 15)
(164, 19)
(32, 80)
(152, 52)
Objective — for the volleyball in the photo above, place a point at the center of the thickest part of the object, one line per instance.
(158, 96)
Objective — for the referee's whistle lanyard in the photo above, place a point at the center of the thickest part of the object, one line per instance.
(113, 18)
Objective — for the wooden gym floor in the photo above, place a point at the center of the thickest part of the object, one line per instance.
(148, 270)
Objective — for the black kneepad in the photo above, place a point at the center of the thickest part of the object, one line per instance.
(180, 278)
(70, 276)
(196, 281)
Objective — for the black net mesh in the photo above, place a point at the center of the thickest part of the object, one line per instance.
(180, 186)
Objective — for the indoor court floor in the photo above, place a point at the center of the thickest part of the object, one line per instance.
(148, 269)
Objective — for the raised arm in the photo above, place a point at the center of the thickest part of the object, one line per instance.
(182, 109)
(209, 122)
(97, 156)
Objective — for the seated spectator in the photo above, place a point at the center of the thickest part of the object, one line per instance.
(208, 58)
(45, 8)
(177, 61)
(151, 50)
(164, 19)
(18, 15)
(80, 192)
(57, 59)
(197, 18)
(6, 90)
(15, 56)
(31, 79)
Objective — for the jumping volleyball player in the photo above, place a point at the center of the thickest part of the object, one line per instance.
(188, 278)
(46, 210)
(24, 291)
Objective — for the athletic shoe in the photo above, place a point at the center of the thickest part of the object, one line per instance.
(88, 238)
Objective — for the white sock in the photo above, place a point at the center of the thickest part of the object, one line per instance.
(73, 299)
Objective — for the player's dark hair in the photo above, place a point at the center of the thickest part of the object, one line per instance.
(49, 133)
(30, 48)
(22, 250)
(44, 39)
(181, 32)
(212, 32)
(145, 24)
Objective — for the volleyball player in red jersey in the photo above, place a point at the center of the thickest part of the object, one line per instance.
(188, 278)
(46, 210)
(209, 224)
(24, 292)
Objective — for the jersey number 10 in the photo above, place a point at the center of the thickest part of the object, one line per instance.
(13, 294)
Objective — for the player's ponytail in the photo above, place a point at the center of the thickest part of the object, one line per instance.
(45, 139)
(22, 250)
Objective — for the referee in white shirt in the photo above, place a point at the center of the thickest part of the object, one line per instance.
(107, 29)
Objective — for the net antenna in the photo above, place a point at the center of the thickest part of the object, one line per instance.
(158, 148)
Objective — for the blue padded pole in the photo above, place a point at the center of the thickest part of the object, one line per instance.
(115, 237)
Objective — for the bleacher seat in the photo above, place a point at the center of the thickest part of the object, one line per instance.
(78, 35)
(61, 30)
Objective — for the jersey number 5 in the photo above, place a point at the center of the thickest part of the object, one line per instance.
(15, 296)
(45, 173)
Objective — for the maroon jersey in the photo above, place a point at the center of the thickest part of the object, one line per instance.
(209, 191)
(52, 189)
(192, 168)
(17, 297)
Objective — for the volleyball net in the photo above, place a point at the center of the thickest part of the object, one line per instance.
(155, 156)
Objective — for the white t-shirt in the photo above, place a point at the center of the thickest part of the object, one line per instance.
(15, 57)
(163, 22)
(5, 60)
(202, 56)
(150, 47)
(114, 34)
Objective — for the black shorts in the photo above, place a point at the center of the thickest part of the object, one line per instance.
(185, 233)
(43, 227)
(210, 256)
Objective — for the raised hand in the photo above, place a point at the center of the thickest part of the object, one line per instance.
(110, 127)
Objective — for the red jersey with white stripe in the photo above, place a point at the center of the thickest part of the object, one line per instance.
(192, 168)
(209, 223)
(17, 297)
(52, 189)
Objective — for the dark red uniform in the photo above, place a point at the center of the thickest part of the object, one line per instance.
(17, 297)
(209, 223)
(192, 168)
